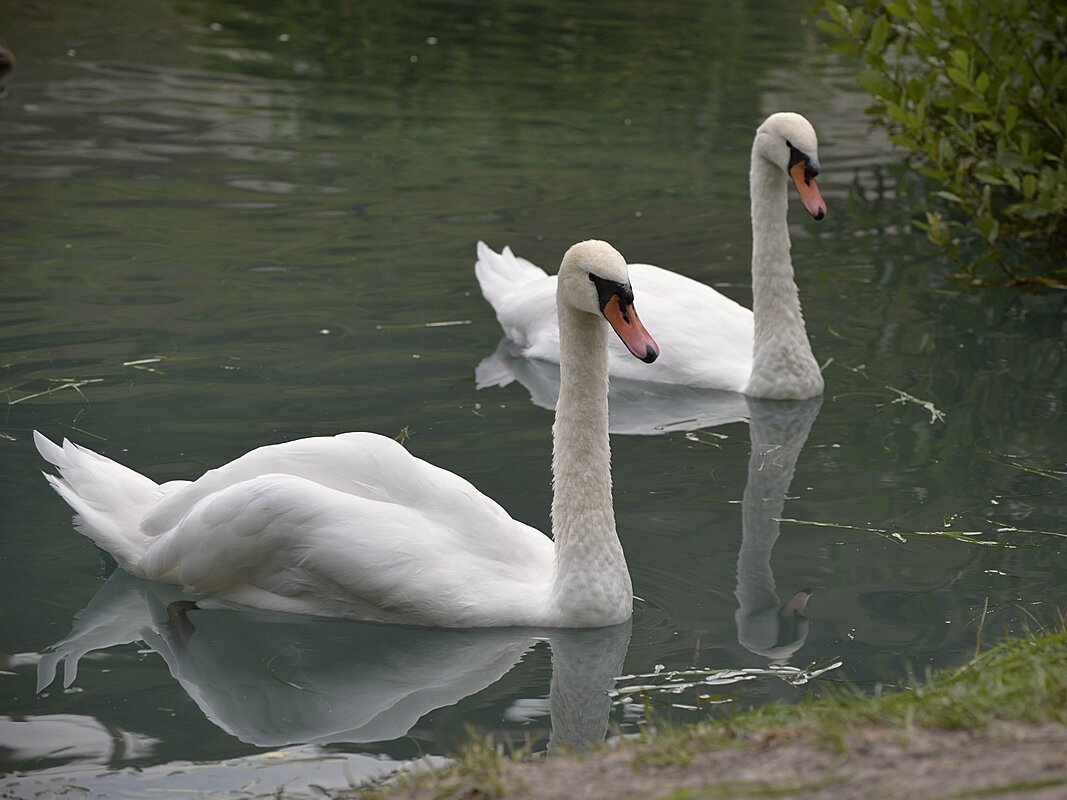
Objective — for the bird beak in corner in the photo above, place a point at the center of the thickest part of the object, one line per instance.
(624, 320)
(797, 603)
(810, 195)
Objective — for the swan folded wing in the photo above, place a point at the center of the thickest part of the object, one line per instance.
(108, 498)
(705, 338)
(360, 464)
(502, 274)
(528, 318)
(287, 543)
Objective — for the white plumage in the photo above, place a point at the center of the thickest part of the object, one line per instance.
(707, 340)
(353, 525)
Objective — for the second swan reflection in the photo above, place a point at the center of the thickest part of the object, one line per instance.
(765, 625)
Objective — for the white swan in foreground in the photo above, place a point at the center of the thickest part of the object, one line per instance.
(708, 340)
(353, 525)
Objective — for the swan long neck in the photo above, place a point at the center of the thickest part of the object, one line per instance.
(591, 582)
(783, 365)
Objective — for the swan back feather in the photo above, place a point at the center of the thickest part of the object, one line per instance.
(108, 498)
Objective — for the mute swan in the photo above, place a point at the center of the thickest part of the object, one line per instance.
(353, 525)
(708, 340)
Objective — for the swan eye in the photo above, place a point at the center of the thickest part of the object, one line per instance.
(607, 289)
(797, 156)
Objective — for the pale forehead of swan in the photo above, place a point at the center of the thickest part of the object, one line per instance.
(597, 257)
(793, 127)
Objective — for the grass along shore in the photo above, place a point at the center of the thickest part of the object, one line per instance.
(995, 727)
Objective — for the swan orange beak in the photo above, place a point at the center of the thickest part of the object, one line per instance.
(810, 195)
(624, 320)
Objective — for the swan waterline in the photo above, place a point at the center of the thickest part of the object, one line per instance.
(709, 341)
(355, 526)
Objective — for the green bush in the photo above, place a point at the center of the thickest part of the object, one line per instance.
(977, 91)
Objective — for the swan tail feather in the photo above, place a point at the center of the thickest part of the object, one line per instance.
(108, 498)
(500, 274)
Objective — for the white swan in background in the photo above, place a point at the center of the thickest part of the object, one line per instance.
(355, 526)
(708, 340)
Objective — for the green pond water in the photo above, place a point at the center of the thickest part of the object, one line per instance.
(228, 224)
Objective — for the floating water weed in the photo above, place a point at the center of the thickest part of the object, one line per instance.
(660, 683)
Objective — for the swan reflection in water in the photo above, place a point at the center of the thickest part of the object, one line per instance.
(634, 407)
(274, 679)
(765, 625)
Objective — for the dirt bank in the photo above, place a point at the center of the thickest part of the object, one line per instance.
(1006, 761)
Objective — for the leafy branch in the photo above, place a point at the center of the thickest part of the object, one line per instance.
(976, 91)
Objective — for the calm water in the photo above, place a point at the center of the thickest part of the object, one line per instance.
(229, 224)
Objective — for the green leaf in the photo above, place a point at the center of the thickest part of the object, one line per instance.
(875, 83)
(960, 59)
(952, 198)
(906, 142)
(841, 45)
(975, 106)
(879, 34)
(1011, 116)
(919, 88)
(925, 15)
(1029, 186)
(839, 13)
(859, 19)
(899, 114)
(946, 150)
(959, 77)
(900, 10)
(926, 44)
(832, 28)
(989, 228)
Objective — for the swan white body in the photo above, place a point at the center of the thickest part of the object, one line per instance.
(355, 526)
(707, 340)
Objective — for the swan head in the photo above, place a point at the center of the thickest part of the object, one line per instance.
(593, 278)
(788, 141)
